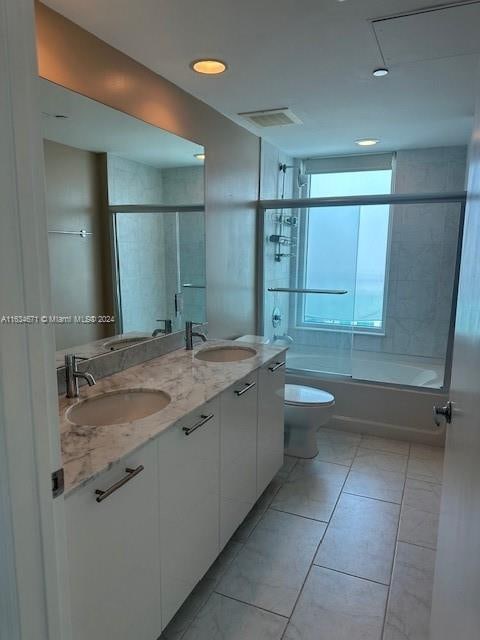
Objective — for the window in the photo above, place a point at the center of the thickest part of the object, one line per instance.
(346, 248)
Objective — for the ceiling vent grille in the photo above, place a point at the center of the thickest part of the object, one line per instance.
(271, 117)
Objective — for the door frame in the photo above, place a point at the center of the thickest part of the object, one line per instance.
(34, 601)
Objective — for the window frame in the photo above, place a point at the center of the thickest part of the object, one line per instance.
(352, 163)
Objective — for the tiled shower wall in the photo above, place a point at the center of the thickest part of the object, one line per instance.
(422, 262)
(159, 252)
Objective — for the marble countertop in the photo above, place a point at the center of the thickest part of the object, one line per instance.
(88, 451)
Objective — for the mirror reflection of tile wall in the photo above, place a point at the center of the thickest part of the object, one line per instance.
(131, 264)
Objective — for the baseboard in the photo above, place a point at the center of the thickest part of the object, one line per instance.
(386, 430)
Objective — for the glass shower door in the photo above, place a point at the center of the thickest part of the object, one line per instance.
(313, 300)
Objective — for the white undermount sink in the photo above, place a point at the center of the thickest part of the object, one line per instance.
(120, 343)
(118, 407)
(225, 354)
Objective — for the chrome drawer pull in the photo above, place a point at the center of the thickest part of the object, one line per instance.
(248, 385)
(131, 473)
(204, 419)
(276, 366)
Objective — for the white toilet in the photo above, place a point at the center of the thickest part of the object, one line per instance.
(306, 409)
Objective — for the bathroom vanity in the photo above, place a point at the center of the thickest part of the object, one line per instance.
(151, 503)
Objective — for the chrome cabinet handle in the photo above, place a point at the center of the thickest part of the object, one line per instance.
(446, 412)
(131, 473)
(247, 387)
(276, 366)
(204, 419)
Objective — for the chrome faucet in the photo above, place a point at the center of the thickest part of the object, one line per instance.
(166, 330)
(190, 334)
(72, 375)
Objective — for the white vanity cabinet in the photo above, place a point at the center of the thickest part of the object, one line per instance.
(238, 454)
(270, 430)
(189, 467)
(113, 552)
(142, 534)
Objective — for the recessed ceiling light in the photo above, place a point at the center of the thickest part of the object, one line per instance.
(199, 156)
(209, 67)
(367, 142)
(381, 72)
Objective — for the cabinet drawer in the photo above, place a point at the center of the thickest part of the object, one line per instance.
(189, 503)
(238, 445)
(113, 553)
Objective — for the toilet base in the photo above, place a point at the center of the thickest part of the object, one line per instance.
(301, 426)
(301, 444)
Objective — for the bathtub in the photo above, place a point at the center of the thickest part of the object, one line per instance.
(385, 368)
(382, 394)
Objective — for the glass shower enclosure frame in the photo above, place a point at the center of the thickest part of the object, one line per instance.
(176, 303)
(293, 211)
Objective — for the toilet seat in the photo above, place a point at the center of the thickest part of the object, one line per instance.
(302, 396)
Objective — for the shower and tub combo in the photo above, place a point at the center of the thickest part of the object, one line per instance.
(364, 298)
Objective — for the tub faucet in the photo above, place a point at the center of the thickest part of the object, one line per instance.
(190, 334)
(72, 375)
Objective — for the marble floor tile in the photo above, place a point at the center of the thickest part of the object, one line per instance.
(311, 490)
(420, 513)
(347, 437)
(189, 609)
(336, 448)
(423, 495)
(426, 452)
(408, 611)
(382, 485)
(256, 512)
(187, 612)
(370, 459)
(226, 619)
(360, 539)
(385, 444)
(270, 569)
(427, 469)
(288, 464)
(224, 560)
(334, 606)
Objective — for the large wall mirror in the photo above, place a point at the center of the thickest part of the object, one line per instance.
(126, 225)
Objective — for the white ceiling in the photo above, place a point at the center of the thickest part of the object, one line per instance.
(92, 126)
(314, 56)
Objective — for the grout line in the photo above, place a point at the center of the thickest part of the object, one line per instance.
(298, 515)
(318, 546)
(352, 575)
(360, 495)
(413, 544)
(249, 604)
(387, 602)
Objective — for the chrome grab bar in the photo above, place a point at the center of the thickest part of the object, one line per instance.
(247, 387)
(204, 419)
(333, 292)
(131, 473)
(276, 366)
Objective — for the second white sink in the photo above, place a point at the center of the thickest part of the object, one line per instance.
(118, 407)
(226, 354)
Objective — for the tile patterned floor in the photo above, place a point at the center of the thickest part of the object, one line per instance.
(338, 548)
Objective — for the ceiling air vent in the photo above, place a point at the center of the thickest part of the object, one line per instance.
(271, 117)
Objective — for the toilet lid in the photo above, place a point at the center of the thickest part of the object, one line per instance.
(300, 395)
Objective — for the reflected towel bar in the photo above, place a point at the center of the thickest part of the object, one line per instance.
(333, 292)
(82, 233)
